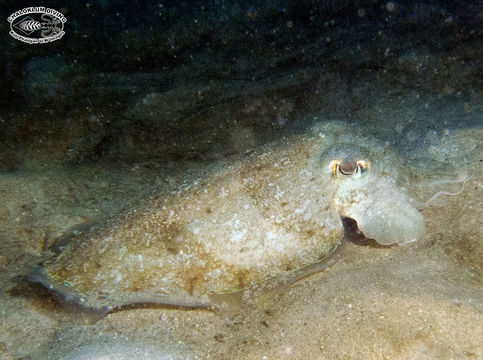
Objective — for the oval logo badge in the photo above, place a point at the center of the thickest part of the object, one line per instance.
(37, 25)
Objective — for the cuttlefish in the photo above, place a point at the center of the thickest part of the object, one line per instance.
(263, 216)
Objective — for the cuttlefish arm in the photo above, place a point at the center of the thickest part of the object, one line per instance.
(382, 211)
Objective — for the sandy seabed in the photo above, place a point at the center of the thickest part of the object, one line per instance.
(423, 300)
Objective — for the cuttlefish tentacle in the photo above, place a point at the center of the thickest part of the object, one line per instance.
(462, 179)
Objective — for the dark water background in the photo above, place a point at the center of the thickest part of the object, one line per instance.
(188, 80)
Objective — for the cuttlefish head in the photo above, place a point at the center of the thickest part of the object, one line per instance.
(367, 188)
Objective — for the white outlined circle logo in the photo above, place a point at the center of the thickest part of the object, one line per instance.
(37, 25)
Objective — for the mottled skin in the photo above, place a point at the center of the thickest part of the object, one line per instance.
(260, 217)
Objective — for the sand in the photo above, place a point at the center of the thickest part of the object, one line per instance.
(422, 300)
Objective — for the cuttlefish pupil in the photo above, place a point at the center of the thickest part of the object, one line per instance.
(348, 167)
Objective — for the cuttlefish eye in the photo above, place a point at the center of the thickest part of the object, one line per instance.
(347, 167)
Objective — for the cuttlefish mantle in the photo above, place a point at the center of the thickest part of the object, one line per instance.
(262, 218)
